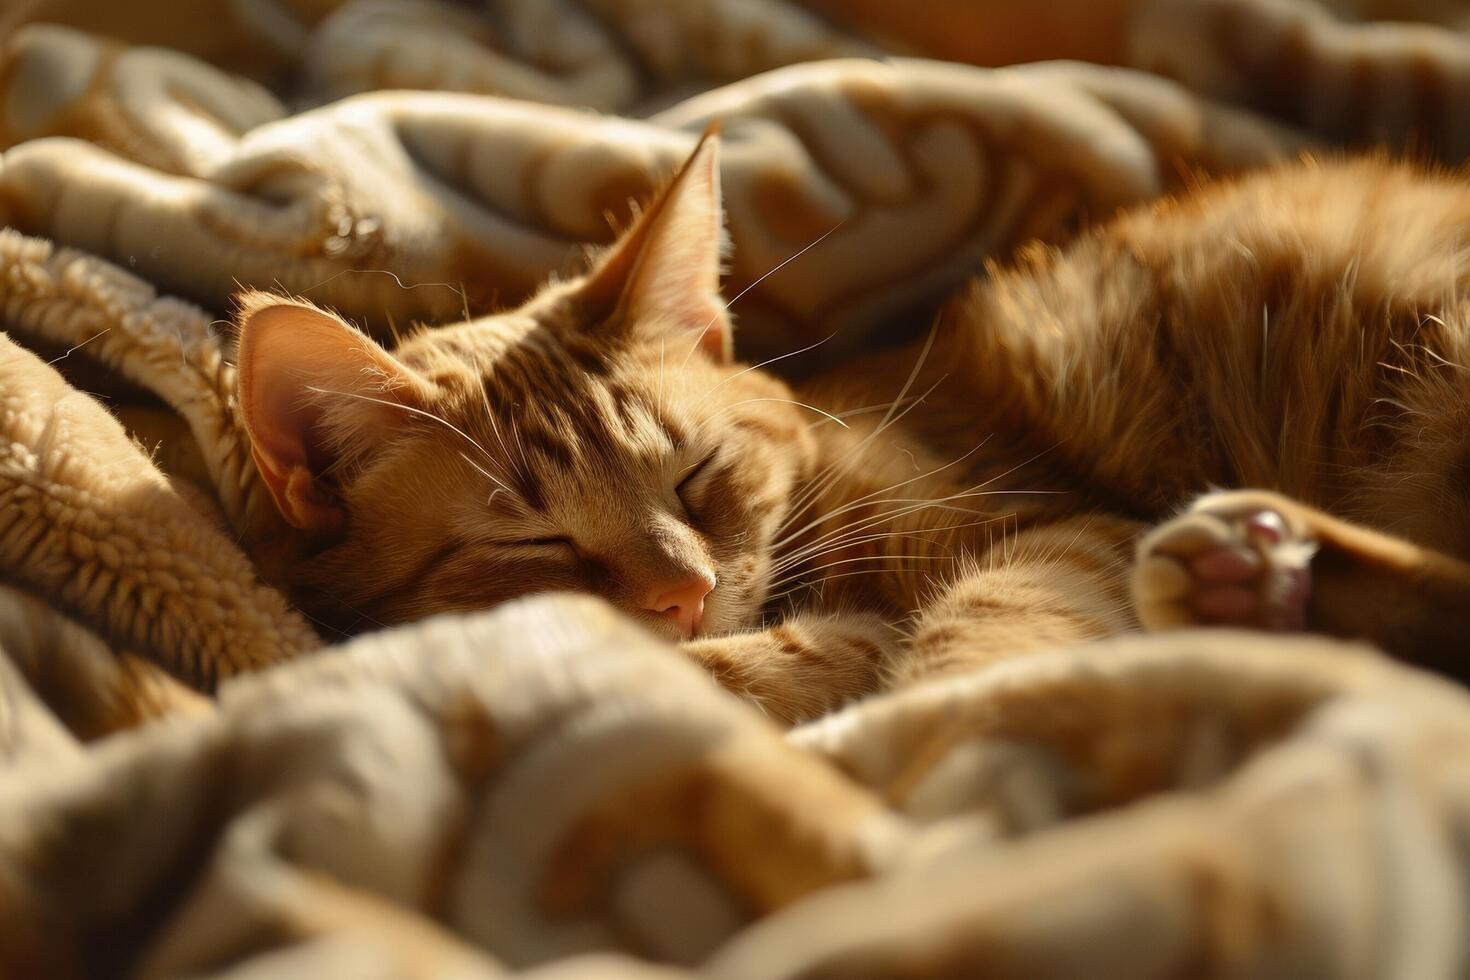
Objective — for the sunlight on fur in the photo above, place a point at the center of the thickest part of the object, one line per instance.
(971, 496)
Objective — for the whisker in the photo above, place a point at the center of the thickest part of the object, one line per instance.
(515, 432)
(829, 473)
(795, 560)
(494, 426)
(756, 367)
(878, 493)
(794, 573)
(662, 348)
(789, 401)
(850, 537)
(848, 561)
(414, 411)
(914, 374)
(866, 409)
(817, 585)
(841, 537)
(783, 264)
(489, 476)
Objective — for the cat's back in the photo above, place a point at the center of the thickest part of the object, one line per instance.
(1368, 232)
(1245, 334)
(1390, 231)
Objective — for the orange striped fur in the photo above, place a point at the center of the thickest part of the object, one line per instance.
(922, 510)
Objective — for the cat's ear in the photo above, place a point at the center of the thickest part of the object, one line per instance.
(662, 278)
(314, 393)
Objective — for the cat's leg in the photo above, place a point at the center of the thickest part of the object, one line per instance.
(1258, 559)
(1049, 586)
(808, 665)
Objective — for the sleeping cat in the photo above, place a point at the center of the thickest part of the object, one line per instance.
(985, 491)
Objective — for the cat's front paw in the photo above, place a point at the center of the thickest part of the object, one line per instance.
(1237, 558)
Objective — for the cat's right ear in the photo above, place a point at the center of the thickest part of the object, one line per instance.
(314, 393)
(662, 278)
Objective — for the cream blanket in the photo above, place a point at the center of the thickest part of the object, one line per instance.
(541, 787)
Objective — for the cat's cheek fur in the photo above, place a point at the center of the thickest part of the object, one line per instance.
(759, 498)
(736, 603)
(470, 586)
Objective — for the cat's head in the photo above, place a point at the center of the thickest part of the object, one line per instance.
(600, 438)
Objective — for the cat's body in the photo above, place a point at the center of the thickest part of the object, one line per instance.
(1305, 330)
(977, 494)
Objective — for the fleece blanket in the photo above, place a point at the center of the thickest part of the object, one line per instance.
(193, 784)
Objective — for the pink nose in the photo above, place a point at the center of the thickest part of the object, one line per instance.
(682, 602)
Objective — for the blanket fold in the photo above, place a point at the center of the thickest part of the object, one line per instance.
(193, 782)
(89, 523)
(400, 206)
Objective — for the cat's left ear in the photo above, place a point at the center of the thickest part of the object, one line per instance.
(315, 394)
(663, 277)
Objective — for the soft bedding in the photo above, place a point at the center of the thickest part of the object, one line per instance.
(196, 781)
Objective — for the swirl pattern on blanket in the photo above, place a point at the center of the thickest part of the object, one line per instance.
(399, 206)
(545, 782)
(542, 788)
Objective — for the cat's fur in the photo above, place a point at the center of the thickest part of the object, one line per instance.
(921, 510)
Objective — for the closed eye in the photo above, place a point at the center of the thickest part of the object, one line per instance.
(686, 484)
(698, 469)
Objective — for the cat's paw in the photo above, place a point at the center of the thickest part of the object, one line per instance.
(1237, 558)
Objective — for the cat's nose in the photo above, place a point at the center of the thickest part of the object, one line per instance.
(682, 602)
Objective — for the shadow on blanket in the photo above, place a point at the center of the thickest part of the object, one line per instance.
(542, 787)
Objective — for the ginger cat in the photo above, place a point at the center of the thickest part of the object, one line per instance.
(985, 491)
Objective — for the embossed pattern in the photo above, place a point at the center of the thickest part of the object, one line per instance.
(543, 788)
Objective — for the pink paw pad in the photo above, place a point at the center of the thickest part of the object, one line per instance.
(1223, 565)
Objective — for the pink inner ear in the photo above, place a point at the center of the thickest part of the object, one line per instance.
(677, 276)
(713, 323)
(671, 286)
(284, 352)
(295, 361)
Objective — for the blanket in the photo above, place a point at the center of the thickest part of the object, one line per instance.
(194, 782)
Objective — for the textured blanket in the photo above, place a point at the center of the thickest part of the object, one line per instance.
(191, 785)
